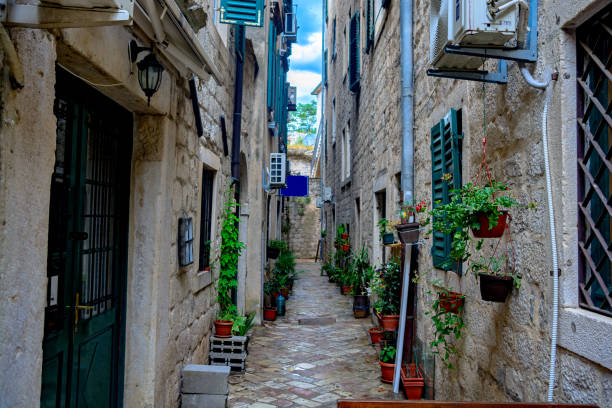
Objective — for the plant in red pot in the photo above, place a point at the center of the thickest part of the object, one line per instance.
(388, 287)
(447, 323)
(412, 381)
(497, 277)
(410, 225)
(386, 359)
(376, 334)
(359, 280)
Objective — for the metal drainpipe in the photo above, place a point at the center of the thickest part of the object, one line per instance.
(236, 126)
(407, 162)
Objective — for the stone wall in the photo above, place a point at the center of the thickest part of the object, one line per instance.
(505, 347)
(301, 213)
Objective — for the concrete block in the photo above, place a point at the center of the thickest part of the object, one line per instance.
(204, 401)
(205, 379)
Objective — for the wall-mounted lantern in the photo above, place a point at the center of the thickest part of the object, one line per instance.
(185, 241)
(149, 70)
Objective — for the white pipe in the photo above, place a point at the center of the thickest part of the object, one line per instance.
(511, 3)
(553, 243)
(531, 80)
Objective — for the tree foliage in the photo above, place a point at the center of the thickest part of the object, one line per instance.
(304, 120)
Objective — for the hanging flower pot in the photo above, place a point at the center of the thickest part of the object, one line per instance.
(495, 232)
(386, 372)
(408, 233)
(344, 236)
(451, 302)
(269, 313)
(272, 252)
(223, 328)
(376, 334)
(389, 322)
(346, 247)
(388, 238)
(495, 288)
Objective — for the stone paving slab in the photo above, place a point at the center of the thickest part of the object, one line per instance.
(296, 365)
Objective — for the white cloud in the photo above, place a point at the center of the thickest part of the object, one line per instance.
(306, 81)
(309, 52)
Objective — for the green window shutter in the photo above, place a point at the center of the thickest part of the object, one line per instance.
(242, 12)
(325, 68)
(354, 74)
(369, 24)
(325, 9)
(271, 64)
(445, 159)
(334, 39)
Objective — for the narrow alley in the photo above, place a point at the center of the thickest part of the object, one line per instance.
(314, 355)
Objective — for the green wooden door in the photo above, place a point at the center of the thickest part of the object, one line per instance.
(83, 343)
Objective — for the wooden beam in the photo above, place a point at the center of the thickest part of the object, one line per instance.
(46, 16)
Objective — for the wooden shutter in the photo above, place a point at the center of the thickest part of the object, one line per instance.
(242, 12)
(369, 24)
(354, 53)
(325, 68)
(445, 159)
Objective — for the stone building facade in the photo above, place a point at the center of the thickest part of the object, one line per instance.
(505, 348)
(301, 214)
(81, 95)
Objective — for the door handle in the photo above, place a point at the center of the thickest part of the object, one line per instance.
(78, 307)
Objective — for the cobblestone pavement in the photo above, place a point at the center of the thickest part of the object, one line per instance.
(310, 365)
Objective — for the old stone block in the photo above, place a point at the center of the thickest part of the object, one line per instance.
(204, 400)
(205, 379)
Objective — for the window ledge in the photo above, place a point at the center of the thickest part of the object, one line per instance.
(203, 280)
(586, 333)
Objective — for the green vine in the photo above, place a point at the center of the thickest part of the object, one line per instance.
(231, 248)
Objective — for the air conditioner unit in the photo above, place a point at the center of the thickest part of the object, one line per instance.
(470, 23)
(278, 170)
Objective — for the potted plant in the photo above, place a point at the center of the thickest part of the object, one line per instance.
(231, 248)
(409, 227)
(480, 209)
(323, 233)
(359, 280)
(376, 334)
(412, 381)
(274, 248)
(387, 286)
(269, 313)
(386, 237)
(447, 323)
(270, 290)
(284, 270)
(496, 281)
(386, 359)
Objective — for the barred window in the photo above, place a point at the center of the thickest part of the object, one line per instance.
(594, 76)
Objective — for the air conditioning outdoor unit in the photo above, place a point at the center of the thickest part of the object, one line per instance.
(278, 170)
(476, 23)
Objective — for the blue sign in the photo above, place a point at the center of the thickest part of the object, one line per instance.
(297, 186)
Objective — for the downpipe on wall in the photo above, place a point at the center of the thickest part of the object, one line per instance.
(407, 163)
(544, 85)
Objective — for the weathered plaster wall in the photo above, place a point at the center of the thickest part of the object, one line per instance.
(505, 347)
(27, 151)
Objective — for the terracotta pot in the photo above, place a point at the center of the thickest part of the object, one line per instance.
(451, 302)
(344, 236)
(408, 233)
(269, 313)
(389, 322)
(346, 247)
(495, 288)
(495, 232)
(386, 372)
(376, 335)
(413, 386)
(223, 328)
(285, 292)
(345, 289)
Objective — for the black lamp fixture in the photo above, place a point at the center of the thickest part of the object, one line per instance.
(149, 70)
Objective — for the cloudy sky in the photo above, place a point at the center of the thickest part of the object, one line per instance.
(305, 66)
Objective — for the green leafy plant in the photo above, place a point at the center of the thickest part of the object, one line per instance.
(387, 355)
(231, 248)
(388, 287)
(446, 325)
(276, 244)
(271, 287)
(323, 233)
(461, 214)
(361, 272)
(407, 210)
(243, 324)
(494, 266)
(383, 224)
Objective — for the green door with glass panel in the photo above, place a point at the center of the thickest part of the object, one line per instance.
(86, 265)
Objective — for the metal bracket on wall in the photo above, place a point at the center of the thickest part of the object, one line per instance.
(528, 53)
(499, 77)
